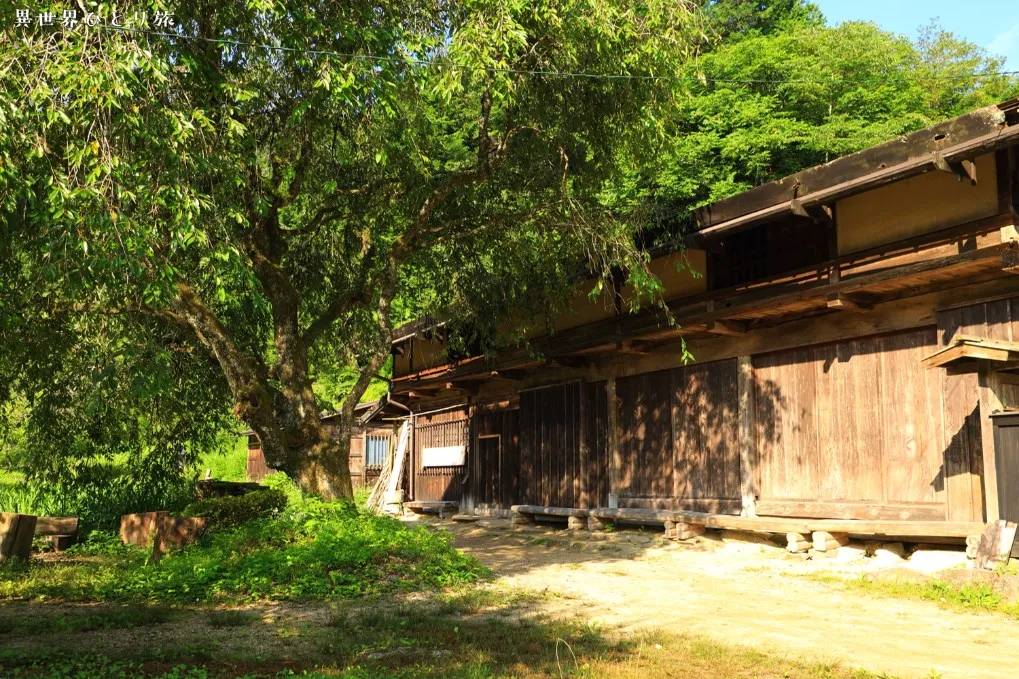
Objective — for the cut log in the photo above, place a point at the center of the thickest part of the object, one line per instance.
(174, 532)
(823, 540)
(56, 525)
(139, 529)
(61, 542)
(16, 533)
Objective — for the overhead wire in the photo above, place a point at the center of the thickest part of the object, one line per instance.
(443, 63)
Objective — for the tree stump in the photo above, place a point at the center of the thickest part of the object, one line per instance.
(16, 533)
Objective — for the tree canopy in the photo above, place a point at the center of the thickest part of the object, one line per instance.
(233, 206)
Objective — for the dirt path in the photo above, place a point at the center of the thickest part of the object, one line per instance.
(744, 594)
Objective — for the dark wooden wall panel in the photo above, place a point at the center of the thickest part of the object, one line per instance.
(594, 490)
(862, 421)
(495, 462)
(705, 456)
(551, 448)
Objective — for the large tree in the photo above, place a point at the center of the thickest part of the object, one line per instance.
(237, 200)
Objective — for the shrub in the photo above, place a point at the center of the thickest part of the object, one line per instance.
(230, 512)
(312, 551)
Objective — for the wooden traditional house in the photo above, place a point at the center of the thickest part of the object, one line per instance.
(854, 331)
(371, 440)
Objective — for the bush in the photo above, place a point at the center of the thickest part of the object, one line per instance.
(230, 512)
(312, 551)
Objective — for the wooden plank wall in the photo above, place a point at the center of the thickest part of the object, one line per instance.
(550, 470)
(594, 445)
(448, 428)
(678, 438)
(860, 429)
(494, 477)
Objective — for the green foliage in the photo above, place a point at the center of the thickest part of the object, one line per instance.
(980, 597)
(100, 498)
(312, 551)
(232, 511)
(185, 225)
(228, 463)
(768, 103)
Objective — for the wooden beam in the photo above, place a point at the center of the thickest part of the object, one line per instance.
(730, 328)
(963, 169)
(615, 454)
(746, 435)
(845, 302)
(634, 347)
(988, 389)
(966, 136)
(960, 352)
(762, 524)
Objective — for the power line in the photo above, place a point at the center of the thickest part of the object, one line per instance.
(558, 74)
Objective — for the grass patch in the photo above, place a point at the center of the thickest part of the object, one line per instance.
(442, 638)
(14, 621)
(311, 551)
(230, 618)
(944, 594)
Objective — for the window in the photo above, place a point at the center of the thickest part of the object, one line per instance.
(375, 450)
(768, 250)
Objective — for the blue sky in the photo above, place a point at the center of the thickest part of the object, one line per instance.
(992, 24)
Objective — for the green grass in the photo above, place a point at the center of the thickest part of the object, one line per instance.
(228, 465)
(944, 594)
(311, 551)
(231, 618)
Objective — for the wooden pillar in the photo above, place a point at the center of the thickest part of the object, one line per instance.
(746, 436)
(990, 402)
(615, 454)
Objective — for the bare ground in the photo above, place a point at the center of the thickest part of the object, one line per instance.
(741, 593)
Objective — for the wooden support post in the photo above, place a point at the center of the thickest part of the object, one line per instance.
(989, 403)
(728, 328)
(16, 533)
(746, 436)
(615, 454)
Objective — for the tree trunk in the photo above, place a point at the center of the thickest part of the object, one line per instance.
(324, 469)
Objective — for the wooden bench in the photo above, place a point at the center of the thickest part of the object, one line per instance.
(62, 531)
(438, 507)
(525, 514)
(773, 524)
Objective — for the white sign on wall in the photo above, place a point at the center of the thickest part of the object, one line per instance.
(446, 456)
